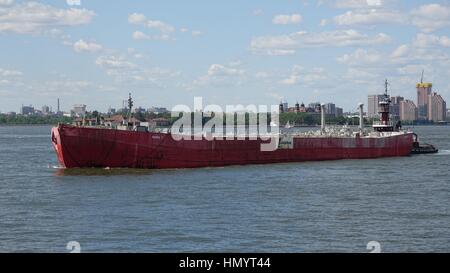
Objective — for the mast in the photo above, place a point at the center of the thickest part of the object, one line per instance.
(386, 88)
(130, 106)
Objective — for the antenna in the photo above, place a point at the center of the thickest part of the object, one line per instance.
(130, 104)
(421, 79)
(386, 88)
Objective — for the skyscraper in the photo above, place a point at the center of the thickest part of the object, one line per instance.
(395, 106)
(408, 111)
(330, 109)
(423, 91)
(372, 105)
(339, 112)
(437, 108)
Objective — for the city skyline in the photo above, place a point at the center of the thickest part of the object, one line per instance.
(257, 52)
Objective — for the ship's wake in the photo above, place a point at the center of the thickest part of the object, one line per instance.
(54, 167)
(61, 171)
(443, 152)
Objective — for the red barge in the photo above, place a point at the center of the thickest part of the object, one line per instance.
(94, 147)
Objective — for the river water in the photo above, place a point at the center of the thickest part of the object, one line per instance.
(335, 206)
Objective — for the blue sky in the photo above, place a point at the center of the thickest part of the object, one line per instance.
(229, 52)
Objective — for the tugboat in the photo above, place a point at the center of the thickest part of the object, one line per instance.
(386, 126)
(424, 148)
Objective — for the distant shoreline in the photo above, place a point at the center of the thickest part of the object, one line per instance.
(297, 126)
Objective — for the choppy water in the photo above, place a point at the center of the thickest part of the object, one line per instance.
(403, 203)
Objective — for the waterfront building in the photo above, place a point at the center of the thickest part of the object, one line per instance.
(302, 108)
(339, 112)
(314, 107)
(297, 107)
(27, 110)
(424, 89)
(78, 110)
(45, 110)
(395, 106)
(372, 105)
(408, 111)
(330, 109)
(157, 110)
(437, 108)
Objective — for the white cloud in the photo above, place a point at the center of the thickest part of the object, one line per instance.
(10, 73)
(258, 12)
(139, 35)
(428, 40)
(82, 45)
(136, 18)
(121, 70)
(361, 76)
(323, 22)
(112, 62)
(339, 38)
(220, 75)
(357, 4)
(369, 17)
(361, 57)
(37, 18)
(221, 70)
(141, 19)
(196, 33)
(400, 51)
(279, 52)
(161, 26)
(431, 17)
(164, 30)
(262, 75)
(10, 77)
(73, 2)
(413, 69)
(287, 19)
(6, 3)
(300, 76)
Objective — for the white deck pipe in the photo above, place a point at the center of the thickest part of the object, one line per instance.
(361, 118)
(322, 111)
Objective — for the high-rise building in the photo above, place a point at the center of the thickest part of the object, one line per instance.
(297, 107)
(314, 106)
(339, 112)
(45, 110)
(27, 110)
(424, 89)
(302, 108)
(330, 109)
(372, 105)
(437, 108)
(408, 111)
(79, 110)
(395, 106)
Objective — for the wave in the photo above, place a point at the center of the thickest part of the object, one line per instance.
(54, 167)
(24, 136)
(444, 152)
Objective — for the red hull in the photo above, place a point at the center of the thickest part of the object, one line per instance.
(95, 147)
